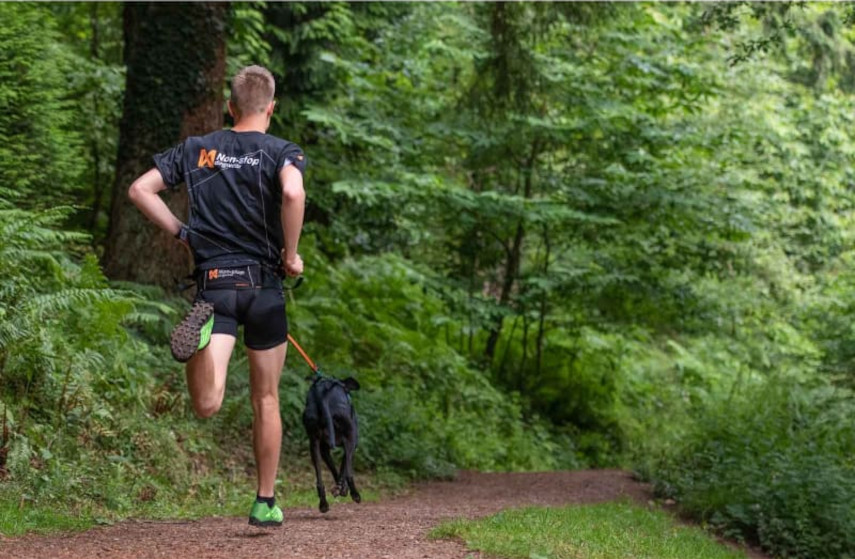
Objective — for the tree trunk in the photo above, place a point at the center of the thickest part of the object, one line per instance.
(511, 272)
(543, 300)
(175, 56)
(97, 180)
(514, 255)
(520, 380)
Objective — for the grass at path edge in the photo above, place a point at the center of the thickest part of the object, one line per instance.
(20, 514)
(614, 530)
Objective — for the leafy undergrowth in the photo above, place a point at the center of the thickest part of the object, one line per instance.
(773, 467)
(603, 531)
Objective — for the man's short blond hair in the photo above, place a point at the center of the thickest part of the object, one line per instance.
(253, 88)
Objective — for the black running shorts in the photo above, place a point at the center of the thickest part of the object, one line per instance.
(260, 309)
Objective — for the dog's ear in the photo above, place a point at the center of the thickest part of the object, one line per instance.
(350, 384)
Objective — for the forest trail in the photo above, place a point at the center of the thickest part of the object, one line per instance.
(394, 529)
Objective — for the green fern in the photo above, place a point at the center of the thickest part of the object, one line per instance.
(63, 345)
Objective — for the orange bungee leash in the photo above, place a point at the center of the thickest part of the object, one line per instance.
(311, 363)
(291, 339)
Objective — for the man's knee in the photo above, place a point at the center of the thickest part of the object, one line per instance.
(265, 402)
(207, 408)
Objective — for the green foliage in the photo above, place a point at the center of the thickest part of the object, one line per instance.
(65, 382)
(605, 531)
(95, 81)
(91, 425)
(829, 317)
(40, 159)
(16, 518)
(422, 409)
(772, 465)
(246, 30)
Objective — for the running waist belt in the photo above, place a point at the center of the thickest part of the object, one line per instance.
(253, 276)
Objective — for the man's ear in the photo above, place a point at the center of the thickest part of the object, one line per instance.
(232, 109)
(350, 384)
(270, 107)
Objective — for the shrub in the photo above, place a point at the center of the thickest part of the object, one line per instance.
(774, 466)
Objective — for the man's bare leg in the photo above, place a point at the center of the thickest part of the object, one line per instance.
(265, 368)
(206, 374)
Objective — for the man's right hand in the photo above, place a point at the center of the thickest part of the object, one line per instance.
(292, 266)
(144, 193)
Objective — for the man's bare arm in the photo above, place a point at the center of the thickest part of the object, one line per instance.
(144, 193)
(293, 207)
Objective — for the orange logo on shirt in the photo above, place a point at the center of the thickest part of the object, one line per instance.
(213, 274)
(206, 158)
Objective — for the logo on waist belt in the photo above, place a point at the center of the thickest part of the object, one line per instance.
(222, 273)
(207, 158)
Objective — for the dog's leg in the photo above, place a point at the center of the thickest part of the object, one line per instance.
(347, 466)
(316, 461)
(341, 486)
(325, 454)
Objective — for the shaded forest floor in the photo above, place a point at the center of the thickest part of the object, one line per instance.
(396, 528)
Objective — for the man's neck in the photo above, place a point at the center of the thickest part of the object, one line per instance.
(253, 123)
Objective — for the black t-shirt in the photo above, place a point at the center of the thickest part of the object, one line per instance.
(235, 194)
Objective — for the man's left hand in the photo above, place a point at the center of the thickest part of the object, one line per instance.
(292, 266)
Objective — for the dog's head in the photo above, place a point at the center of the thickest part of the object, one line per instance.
(350, 384)
(323, 384)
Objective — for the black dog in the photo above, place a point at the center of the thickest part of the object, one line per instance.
(330, 420)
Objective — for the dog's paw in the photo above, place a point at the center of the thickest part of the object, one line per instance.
(324, 507)
(357, 498)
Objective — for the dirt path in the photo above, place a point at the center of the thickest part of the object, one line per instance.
(394, 529)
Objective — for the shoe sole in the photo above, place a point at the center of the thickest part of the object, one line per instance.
(264, 523)
(184, 341)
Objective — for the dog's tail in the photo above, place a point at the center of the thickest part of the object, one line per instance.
(325, 410)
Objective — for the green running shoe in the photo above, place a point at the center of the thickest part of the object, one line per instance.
(193, 333)
(263, 515)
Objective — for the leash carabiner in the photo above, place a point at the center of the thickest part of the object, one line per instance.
(290, 288)
(297, 283)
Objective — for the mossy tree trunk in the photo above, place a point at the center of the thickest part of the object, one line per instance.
(176, 57)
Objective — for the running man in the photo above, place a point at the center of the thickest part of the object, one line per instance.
(246, 213)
